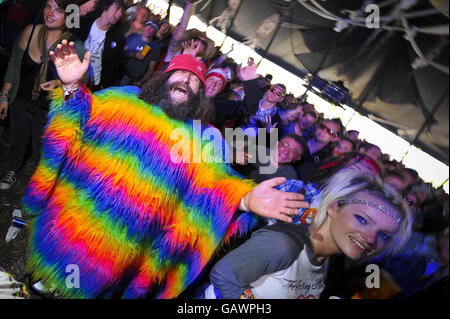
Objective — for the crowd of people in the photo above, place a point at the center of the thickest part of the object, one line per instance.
(152, 228)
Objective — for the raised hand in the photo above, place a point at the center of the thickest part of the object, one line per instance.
(269, 126)
(191, 47)
(249, 72)
(268, 202)
(291, 115)
(69, 67)
(3, 109)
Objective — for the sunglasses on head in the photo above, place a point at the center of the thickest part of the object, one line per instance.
(278, 93)
(329, 131)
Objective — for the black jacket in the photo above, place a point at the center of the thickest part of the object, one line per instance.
(112, 52)
(227, 109)
(311, 162)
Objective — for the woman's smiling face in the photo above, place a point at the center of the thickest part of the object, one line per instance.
(359, 230)
(54, 16)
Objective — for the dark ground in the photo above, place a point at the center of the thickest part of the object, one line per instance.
(12, 254)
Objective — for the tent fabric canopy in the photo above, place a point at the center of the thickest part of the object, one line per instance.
(376, 65)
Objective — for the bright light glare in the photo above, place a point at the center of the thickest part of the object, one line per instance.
(374, 133)
(293, 84)
(435, 171)
(429, 169)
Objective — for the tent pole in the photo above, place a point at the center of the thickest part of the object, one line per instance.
(234, 16)
(272, 39)
(227, 31)
(210, 12)
(322, 62)
(430, 117)
(168, 9)
(372, 83)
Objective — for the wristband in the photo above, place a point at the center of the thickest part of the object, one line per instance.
(243, 205)
(69, 91)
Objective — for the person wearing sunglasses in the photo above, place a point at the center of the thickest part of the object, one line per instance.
(320, 146)
(267, 114)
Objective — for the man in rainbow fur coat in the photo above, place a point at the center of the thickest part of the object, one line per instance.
(109, 200)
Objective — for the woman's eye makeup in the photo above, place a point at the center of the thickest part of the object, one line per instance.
(361, 219)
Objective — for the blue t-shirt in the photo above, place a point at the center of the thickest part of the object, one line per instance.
(135, 43)
(137, 68)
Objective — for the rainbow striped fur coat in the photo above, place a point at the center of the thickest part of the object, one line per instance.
(109, 204)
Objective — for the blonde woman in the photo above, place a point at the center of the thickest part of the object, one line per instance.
(356, 214)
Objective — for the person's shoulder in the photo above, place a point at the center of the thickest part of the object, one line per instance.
(290, 238)
(29, 28)
(288, 171)
(292, 233)
(133, 36)
(26, 33)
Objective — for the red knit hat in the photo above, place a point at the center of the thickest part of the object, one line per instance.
(188, 63)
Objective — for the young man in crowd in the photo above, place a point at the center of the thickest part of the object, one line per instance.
(371, 150)
(269, 163)
(305, 120)
(267, 115)
(216, 81)
(395, 180)
(102, 36)
(141, 55)
(319, 146)
(345, 145)
(240, 110)
(353, 135)
(146, 202)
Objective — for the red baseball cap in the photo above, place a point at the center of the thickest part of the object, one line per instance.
(188, 63)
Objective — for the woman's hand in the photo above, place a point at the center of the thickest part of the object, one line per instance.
(3, 109)
(69, 67)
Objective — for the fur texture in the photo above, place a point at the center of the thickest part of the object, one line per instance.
(107, 198)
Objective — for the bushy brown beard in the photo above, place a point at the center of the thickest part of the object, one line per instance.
(197, 107)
